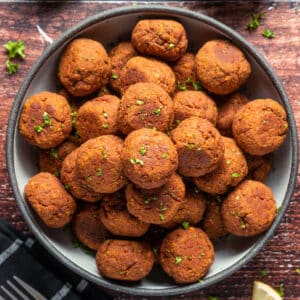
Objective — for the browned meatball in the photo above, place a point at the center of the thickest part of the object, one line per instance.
(142, 69)
(199, 145)
(149, 158)
(45, 120)
(259, 167)
(116, 218)
(221, 67)
(194, 104)
(158, 205)
(99, 164)
(124, 260)
(145, 105)
(260, 126)
(119, 55)
(185, 73)
(213, 223)
(98, 117)
(249, 210)
(231, 170)
(88, 228)
(191, 210)
(71, 180)
(50, 160)
(186, 254)
(165, 39)
(227, 112)
(84, 67)
(50, 200)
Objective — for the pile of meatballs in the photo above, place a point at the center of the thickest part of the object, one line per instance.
(151, 152)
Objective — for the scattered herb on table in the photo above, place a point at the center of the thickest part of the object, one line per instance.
(15, 49)
(11, 67)
(255, 22)
(264, 273)
(268, 33)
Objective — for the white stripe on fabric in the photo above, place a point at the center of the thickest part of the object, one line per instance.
(10, 250)
(81, 286)
(62, 292)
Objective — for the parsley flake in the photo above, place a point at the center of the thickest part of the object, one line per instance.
(171, 46)
(47, 119)
(99, 172)
(185, 224)
(104, 154)
(113, 76)
(164, 155)
(178, 260)
(157, 111)
(11, 67)
(243, 225)
(134, 160)
(105, 126)
(264, 273)
(197, 85)
(140, 102)
(53, 153)
(255, 22)
(143, 150)
(38, 128)
(235, 175)
(268, 33)
(161, 217)
(15, 49)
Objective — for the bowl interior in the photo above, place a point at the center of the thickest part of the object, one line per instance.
(231, 252)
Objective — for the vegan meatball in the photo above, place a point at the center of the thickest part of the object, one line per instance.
(158, 205)
(73, 183)
(50, 200)
(45, 120)
(98, 117)
(260, 126)
(190, 211)
(99, 164)
(259, 167)
(116, 218)
(249, 210)
(88, 228)
(124, 260)
(84, 67)
(199, 145)
(221, 67)
(149, 158)
(231, 170)
(165, 39)
(119, 55)
(145, 105)
(50, 160)
(227, 112)
(142, 69)
(194, 104)
(186, 255)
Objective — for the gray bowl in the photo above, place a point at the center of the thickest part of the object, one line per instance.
(110, 27)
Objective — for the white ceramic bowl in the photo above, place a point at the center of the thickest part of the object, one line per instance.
(109, 28)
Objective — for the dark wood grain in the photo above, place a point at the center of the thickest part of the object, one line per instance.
(281, 255)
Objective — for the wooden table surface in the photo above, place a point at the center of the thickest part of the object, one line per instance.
(281, 256)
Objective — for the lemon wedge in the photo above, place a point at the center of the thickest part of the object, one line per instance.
(262, 291)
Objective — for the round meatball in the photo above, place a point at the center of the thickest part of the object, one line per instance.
(88, 228)
(199, 145)
(119, 55)
(227, 112)
(213, 223)
(249, 210)
(142, 69)
(116, 218)
(145, 105)
(149, 158)
(165, 39)
(158, 205)
(50, 200)
(260, 126)
(99, 164)
(231, 170)
(98, 117)
(259, 167)
(185, 73)
(71, 180)
(50, 160)
(191, 210)
(221, 67)
(194, 104)
(186, 255)
(45, 120)
(84, 67)
(124, 260)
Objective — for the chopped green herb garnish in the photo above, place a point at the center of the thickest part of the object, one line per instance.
(197, 85)
(178, 260)
(155, 251)
(181, 87)
(191, 146)
(73, 116)
(105, 115)
(99, 172)
(15, 49)
(134, 160)
(164, 208)
(105, 126)
(188, 80)
(297, 271)
(268, 33)
(154, 128)
(143, 150)
(157, 111)
(243, 225)
(185, 224)
(200, 280)
(177, 122)
(164, 155)
(255, 22)
(67, 187)
(171, 46)
(38, 128)
(172, 194)
(53, 153)
(113, 76)
(280, 290)
(264, 273)
(140, 102)
(47, 119)
(56, 174)
(228, 161)
(161, 217)
(90, 178)
(219, 198)
(104, 154)
(11, 67)
(235, 175)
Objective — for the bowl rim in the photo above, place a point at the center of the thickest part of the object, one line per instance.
(161, 11)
